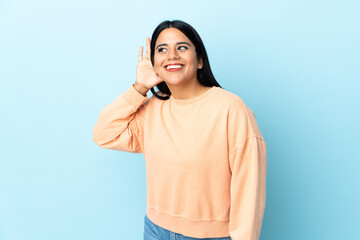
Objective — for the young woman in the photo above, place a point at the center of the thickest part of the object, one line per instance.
(205, 155)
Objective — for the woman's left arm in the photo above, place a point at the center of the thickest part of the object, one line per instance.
(248, 188)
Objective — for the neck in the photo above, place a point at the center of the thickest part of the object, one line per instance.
(188, 90)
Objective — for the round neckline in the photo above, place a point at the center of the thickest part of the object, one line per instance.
(193, 99)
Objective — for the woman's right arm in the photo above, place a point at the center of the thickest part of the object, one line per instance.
(120, 124)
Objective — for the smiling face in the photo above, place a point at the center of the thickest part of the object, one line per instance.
(173, 47)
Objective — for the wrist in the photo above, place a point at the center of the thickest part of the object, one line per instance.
(141, 89)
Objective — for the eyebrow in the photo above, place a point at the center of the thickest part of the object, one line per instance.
(164, 44)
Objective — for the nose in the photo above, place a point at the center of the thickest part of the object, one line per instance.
(173, 54)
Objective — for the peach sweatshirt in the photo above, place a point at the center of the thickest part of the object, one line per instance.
(205, 160)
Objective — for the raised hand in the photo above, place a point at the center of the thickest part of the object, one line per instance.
(146, 77)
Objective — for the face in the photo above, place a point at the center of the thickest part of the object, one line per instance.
(173, 47)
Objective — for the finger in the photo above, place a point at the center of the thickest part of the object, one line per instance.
(140, 54)
(147, 55)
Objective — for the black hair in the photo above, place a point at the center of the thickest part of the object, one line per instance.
(204, 75)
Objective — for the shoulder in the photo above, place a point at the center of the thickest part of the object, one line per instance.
(230, 99)
(239, 114)
(154, 101)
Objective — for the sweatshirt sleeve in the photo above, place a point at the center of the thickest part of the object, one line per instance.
(120, 124)
(248, 189)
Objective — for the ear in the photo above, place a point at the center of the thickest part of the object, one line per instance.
(200, 65)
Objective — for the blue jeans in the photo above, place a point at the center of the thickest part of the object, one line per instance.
(155, 232)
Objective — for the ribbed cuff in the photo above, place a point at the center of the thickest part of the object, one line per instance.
(135, 98)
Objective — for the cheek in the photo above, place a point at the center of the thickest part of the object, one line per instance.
(192, 59)
(157, 62)
(157, 66)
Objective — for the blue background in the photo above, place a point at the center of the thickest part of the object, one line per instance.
(294, 63)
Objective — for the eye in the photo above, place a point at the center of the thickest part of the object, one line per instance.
(160, 49)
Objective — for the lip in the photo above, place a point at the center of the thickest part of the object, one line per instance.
(174, 69)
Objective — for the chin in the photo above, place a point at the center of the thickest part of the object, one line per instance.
(174, 81)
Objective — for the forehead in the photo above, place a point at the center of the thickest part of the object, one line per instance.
(171, 35)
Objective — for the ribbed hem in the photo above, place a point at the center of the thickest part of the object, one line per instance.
(187, 227)
(135, 98)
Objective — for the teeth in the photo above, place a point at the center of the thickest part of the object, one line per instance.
(173, 66)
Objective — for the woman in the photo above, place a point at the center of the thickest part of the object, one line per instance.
(205, 155)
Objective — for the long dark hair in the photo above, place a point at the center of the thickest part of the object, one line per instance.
(204, 75)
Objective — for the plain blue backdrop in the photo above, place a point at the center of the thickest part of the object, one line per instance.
(294, 63)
